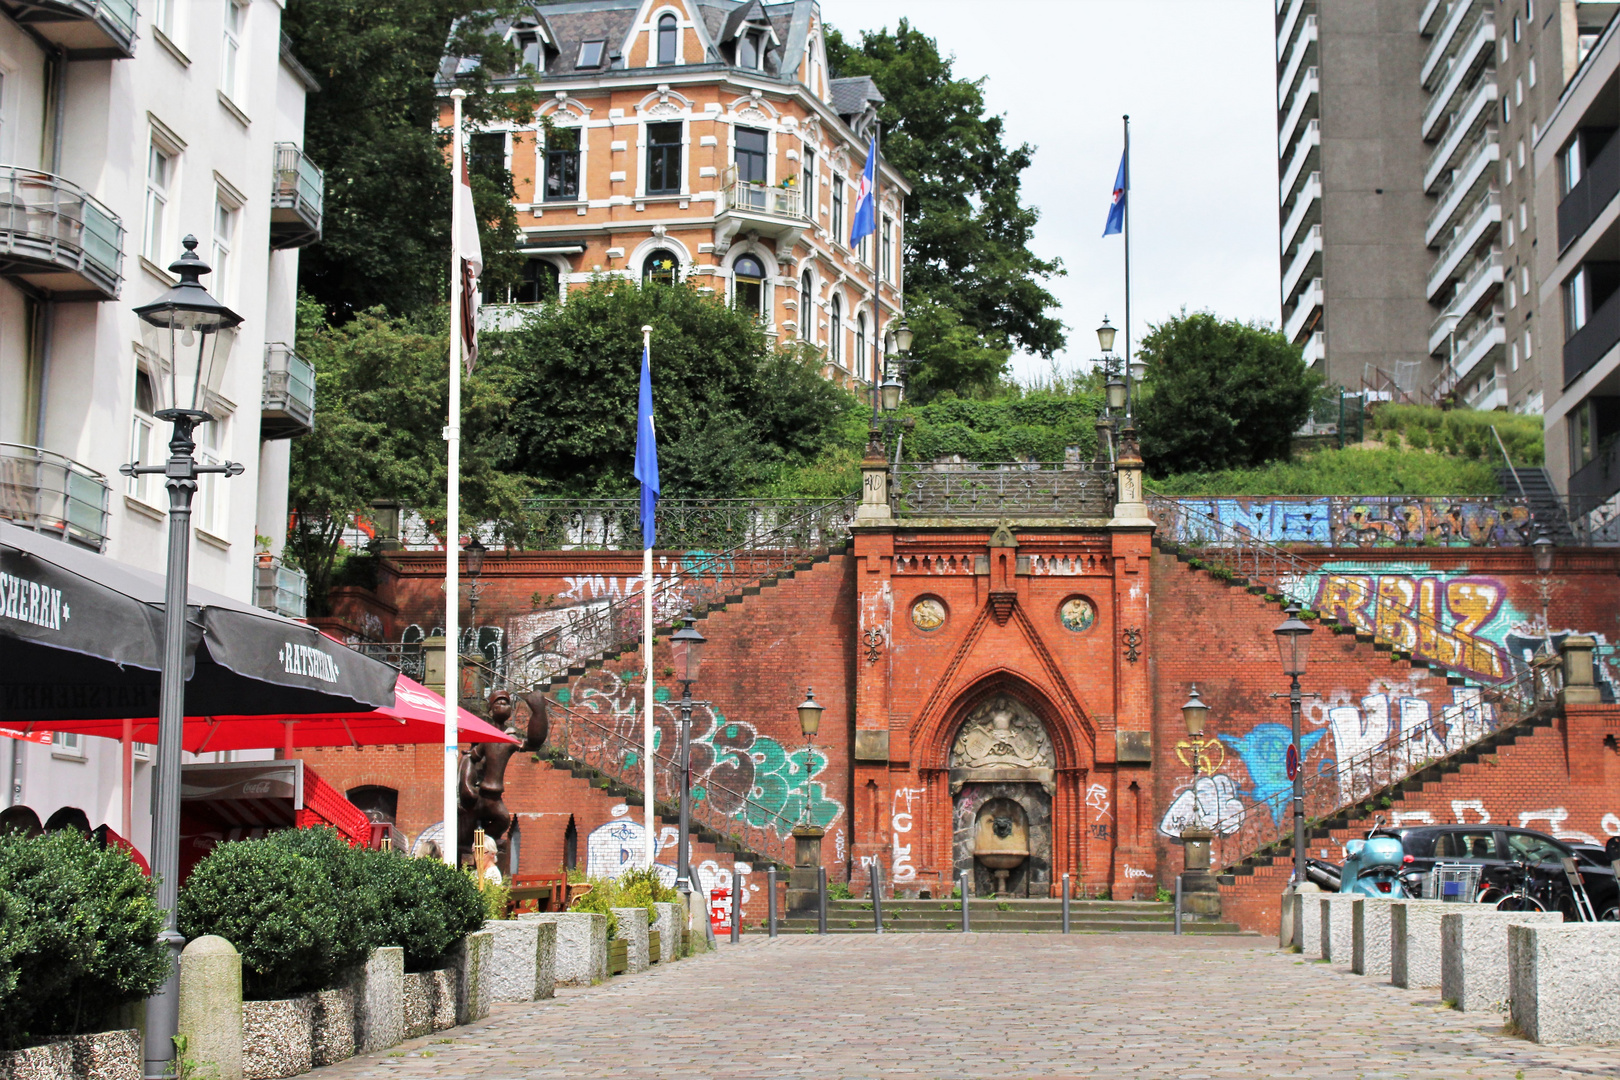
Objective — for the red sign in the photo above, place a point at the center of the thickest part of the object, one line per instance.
(43, 738)
(720, 910)
(1291, 763)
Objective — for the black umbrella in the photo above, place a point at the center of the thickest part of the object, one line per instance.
(80, 638)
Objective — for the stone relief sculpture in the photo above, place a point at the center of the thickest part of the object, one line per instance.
(1002, 734)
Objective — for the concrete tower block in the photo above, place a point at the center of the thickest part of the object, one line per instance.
(1337, 930)
(1414, 954)
(1369, 937)
(581, 945)
(668, 926)
(211, 1005)
(475, 973)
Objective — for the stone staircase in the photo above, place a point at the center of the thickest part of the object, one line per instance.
(1547, 507)
(1001, 917)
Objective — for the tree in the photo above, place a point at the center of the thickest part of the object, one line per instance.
(373, 127)
(967, 234)
(381, 396)
(731, 411)
(1219, 394)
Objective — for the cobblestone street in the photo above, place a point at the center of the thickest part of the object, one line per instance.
(1001, 1005)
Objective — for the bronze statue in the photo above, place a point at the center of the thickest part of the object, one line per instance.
(482, 773)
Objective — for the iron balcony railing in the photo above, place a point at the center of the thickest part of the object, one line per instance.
(297, 196)
(288, 407)
(761, 199)
(279, 588)
(52, 494)
(1018, 489)
(84, 29)
(57, 236)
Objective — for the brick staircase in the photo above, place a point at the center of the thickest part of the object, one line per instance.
(1002, 917)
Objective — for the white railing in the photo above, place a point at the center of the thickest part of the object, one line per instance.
(1315, 349)
(1485, 156)
(1286, 34)
(1480, 219)
(1302, 152)
(1481, 277)
(1426, 20)
(1483, 38)
(1309, 300)
(1307, 38)
(760, 199)
(1304, 97)
(1487, 334)
(1309, 194)
(1440, 47)
(1479, 108)
(1309, 248)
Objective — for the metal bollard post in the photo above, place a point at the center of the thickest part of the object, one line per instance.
(770, 907)
(965, 924)
(1178, 903)
(1065, 903)
(877, 897)
(736, 905)
(821, 900)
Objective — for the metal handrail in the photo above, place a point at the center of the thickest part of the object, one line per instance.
(297, 177)
(681, 524)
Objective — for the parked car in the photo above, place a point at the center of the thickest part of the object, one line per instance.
(1500, 850)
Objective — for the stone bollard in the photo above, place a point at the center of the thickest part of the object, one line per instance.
(1337, 930)
(1303, 906)
(1414, 943)
(581, 945)
(475, 969)
(1474, 953)
(668, 925)
(1369, 937)
(633, 929)
(379, 1000)
(513, 955)
(1561, 982)
(211, 1006)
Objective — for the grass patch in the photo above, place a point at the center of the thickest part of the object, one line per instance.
(1351, 471)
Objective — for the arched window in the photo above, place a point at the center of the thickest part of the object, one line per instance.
(539, 284)
(807, 308)
(377, 802)
(748, 288)
(835, 332)
(661, 267)
(858, 362)
(666, 39)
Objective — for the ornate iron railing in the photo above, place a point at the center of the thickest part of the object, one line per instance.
(1354, 520)
(682, 524)
(1072, 489)
(408, 656)
(585, 738)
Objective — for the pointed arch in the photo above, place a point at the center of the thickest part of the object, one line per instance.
(1073, 736)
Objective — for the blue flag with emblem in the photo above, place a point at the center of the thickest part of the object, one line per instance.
(646, 452)
(1116, 207)
(865, 223)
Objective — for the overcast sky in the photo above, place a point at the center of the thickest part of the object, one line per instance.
(1197, 78)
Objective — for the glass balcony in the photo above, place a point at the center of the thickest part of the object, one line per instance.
(57, 238)
(279, 588)
(86, 29)
(297, 194)
(52, 494)
(288, 408)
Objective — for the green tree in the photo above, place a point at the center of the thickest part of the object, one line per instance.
(732, 412)
(381, 398)
(373, 127)
(1219, 394)
(967, 232)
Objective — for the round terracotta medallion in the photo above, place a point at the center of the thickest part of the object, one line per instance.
(1077, 614)
(928, 614)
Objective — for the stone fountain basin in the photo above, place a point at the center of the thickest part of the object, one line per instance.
(1001, 860)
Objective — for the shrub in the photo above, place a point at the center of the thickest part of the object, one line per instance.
(601, 900)
(78, 936)
(421, 905)
(496, 896)
(290, 903)
(838, 890)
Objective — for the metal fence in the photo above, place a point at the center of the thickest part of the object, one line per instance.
(49, 493)
(681, 524)
(1365, 521)
(1071, 489)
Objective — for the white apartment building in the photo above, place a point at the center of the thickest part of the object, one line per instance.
(121, 132)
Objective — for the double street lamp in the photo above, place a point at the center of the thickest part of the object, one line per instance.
(189, 335)
(686, 647)
(1293, 644)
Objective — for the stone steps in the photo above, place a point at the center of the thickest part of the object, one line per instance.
(1002, 917)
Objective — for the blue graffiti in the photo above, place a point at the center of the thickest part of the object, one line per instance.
(1264, 752)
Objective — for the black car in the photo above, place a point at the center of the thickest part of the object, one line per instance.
(1499, 850)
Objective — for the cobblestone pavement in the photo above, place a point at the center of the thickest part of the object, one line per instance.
(983, 1005)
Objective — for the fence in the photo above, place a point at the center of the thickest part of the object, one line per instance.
(1079, 489)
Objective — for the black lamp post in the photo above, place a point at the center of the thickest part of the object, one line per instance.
(475, 552)
(892, 390)
(1193, 714)
(686, 646)
(810, 711)
(1542, 548)
(189, 334)
(1293, 643)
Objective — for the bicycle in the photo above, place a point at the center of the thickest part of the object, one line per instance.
(1520, 897)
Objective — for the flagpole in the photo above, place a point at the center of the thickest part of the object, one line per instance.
(452, 512)
(877, 243)
(647, 666)
(1130, 399)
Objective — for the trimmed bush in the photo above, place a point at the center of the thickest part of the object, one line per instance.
(636, 888)
(78, 936)
(421, 905)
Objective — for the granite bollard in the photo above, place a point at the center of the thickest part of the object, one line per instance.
(1337, 930)
(379, 1000)
(669, 931)
(1414, 949)
(211, 1005)
(633, 929)
(581, 945)
(523, 960)
(1370, 937)
(475, 970)
(1561, 981)
(1474, 953)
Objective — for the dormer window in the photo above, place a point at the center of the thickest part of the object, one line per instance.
(750, 50)
(590, 54)
(534, 54)
(667, 38)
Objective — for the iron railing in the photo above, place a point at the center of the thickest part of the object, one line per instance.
(49, 493)
(409, 657)
(297, 198)
(50, 223)
(1364, 521)
(683, 524)
(1072, 489)
(1593, 520)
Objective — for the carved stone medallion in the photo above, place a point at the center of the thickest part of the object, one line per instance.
(1002, 740)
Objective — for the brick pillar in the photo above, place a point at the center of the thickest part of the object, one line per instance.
(874, 602)
(1132, 533)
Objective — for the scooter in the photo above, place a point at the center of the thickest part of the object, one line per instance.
(1372, 867)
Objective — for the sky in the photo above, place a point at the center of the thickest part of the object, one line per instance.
(1198, 81)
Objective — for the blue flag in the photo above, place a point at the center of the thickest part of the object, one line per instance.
(646, 452)
(865, 223)
(1116, 206)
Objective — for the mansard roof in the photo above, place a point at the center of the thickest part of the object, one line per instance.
(851, 97)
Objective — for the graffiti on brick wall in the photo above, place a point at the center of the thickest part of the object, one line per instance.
(1263, 749)
(903, 822)
(1211, 801)
(1101, 823)
(1367, 521)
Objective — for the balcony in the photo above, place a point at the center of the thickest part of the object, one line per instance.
(1307, 257)
(1307, 154)
(52, 494)
(1306, 313)
(1588, 198)
(1487, 394)
(1290, 22)
(1479, 227)
(288, 409)
(776, 212)
(1475, 54)
(85, 29)
(57, 239)
(1431, 16)
(1484, 341)
(1315, 349)
(1307, 104)
(296, 196)
(1478, 110)
(1480, 287)
(279, 588)
(1599, 479)
(1302, 55)
(1307, 210)
(1593, 341)
(1470, 181)
(1445, 42)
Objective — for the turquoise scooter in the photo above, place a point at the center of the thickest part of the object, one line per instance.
(1372, 867)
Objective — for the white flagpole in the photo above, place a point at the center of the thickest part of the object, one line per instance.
(452, 513)
(647, 667)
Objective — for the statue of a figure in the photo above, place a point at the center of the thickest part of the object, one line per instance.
(481, 775)
(1008, 740)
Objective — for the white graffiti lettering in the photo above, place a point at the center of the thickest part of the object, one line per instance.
(1458, 806)
(1133, 872)
(901, 820)
(1555, 817)
(1411, 817)
(1211, 800)
(1097, 799)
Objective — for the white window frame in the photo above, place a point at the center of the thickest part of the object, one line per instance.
(159, 197)
(222, 280)
(145, 445)
(653, 26)
(232, 49)
(67, 746)
(807, 307)
(210, 509)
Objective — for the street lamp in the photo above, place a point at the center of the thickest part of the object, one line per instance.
(189, 334)
(1195, 836)
(1542, 548)
(1105, 336)
(1293, 644)
(810, 711)
(475, 552)
(686, 648)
